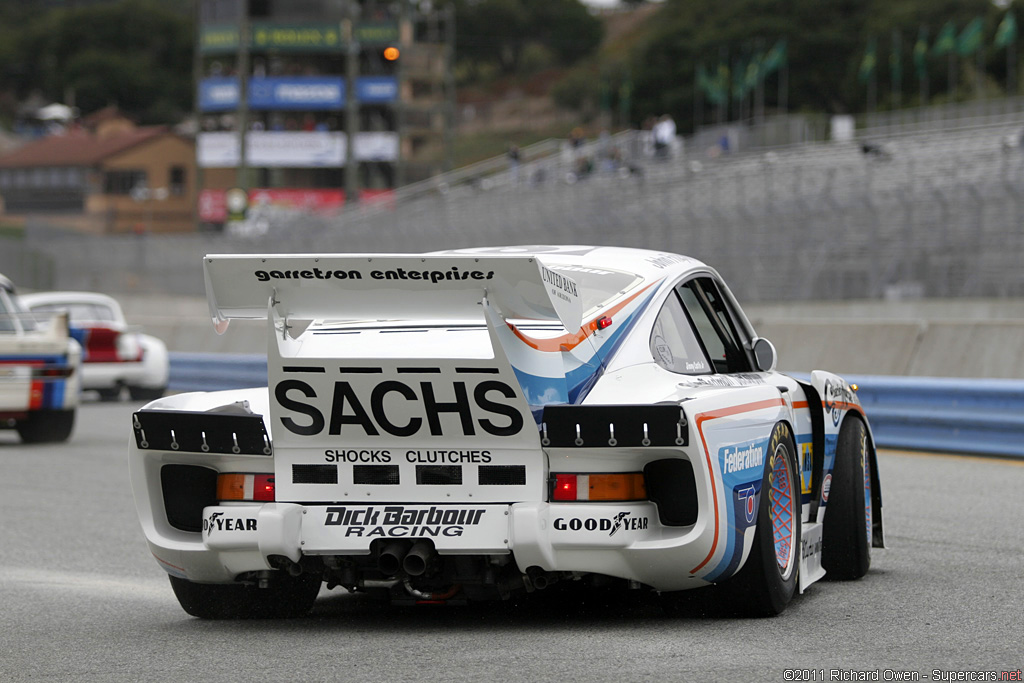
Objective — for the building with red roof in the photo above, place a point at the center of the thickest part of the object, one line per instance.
(104, 174)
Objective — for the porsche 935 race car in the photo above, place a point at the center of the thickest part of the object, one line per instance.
(39, 371)
(115, 356)
(463, 425)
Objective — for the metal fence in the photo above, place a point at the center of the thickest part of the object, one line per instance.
(936, 213)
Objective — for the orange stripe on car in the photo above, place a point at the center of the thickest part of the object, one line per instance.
(567, 342)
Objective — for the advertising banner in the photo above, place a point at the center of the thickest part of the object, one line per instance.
(293, 149)
(298, 93)
(213, 203)
(295, 37)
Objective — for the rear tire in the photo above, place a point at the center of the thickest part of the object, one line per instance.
(766, 583)
(146, 393)
(286, 597)
(47, 426)
(110, 393)
(846, 532)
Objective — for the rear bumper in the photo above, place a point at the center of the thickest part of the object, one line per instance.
(127, 373)
(621, 540)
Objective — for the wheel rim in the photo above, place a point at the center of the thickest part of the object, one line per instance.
(782, 511)
(867, 493)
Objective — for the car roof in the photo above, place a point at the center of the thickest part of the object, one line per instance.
(41, 298)
(646, 263)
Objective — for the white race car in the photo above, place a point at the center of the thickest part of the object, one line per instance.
(464, 425)
(39, 371)
(116, 356)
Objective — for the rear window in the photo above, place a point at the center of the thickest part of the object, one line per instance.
(79, 313)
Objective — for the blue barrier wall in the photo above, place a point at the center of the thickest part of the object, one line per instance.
(983, 416)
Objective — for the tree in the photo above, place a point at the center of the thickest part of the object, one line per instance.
(498, 31)
(136, 54)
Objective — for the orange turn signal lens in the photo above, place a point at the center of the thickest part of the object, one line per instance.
(245, 487)
(617, 487)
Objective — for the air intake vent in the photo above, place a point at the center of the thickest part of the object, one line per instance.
(442, 475)
(314, 474)
(502, 475)
(187, 490)
(380, 475)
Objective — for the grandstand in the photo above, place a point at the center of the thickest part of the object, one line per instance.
(929, 208)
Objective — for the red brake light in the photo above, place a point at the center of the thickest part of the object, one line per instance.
(565, 487)
(263, 487)
(603, 322)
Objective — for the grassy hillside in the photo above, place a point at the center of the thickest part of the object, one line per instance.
(522, 109)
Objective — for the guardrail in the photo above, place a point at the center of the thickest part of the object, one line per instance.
(984, 416)
(980, 416)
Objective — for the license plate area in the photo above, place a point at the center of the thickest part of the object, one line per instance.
(454, 529)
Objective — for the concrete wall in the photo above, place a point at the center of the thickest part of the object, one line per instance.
(952, 338)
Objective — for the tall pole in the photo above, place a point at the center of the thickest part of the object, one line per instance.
(449, 86)
(197, 78)
(351, 103)
(244, 32)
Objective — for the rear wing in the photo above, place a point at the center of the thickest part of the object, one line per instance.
(47, 331)
(387, 287)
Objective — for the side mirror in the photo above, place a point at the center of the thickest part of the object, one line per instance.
(765, 356)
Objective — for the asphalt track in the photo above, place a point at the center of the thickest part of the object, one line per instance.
(81, 599)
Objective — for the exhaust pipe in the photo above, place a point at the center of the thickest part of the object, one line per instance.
(540, 578)
(389, 562)
(419, 559)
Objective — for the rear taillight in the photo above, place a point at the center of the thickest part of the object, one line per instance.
(257, 487)
(53, 372)
(107, 345)
(598, 487)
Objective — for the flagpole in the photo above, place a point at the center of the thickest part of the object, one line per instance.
(698, 101)
(1011, 63)
(895, 67)
(951, 78)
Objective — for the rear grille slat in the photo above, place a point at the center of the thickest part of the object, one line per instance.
(379, 475)
(502, 475)
(314, 474)
(439, 475)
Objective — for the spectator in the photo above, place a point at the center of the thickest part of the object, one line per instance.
(513, 162)
(664, 136)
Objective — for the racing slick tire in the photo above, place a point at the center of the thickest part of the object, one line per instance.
(146, 393)
(767, 581)
(286, 597)
(47, 426)
(846, 532)
(110, 393)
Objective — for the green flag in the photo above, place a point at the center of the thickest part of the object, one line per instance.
(870, 61)
(896, 58)
(754, 72)
(720, 91)
(703, 82)
(945, 42)
(970, 38)
(739, 75)
(1007, 31)
(921, 54)
(775, 58)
